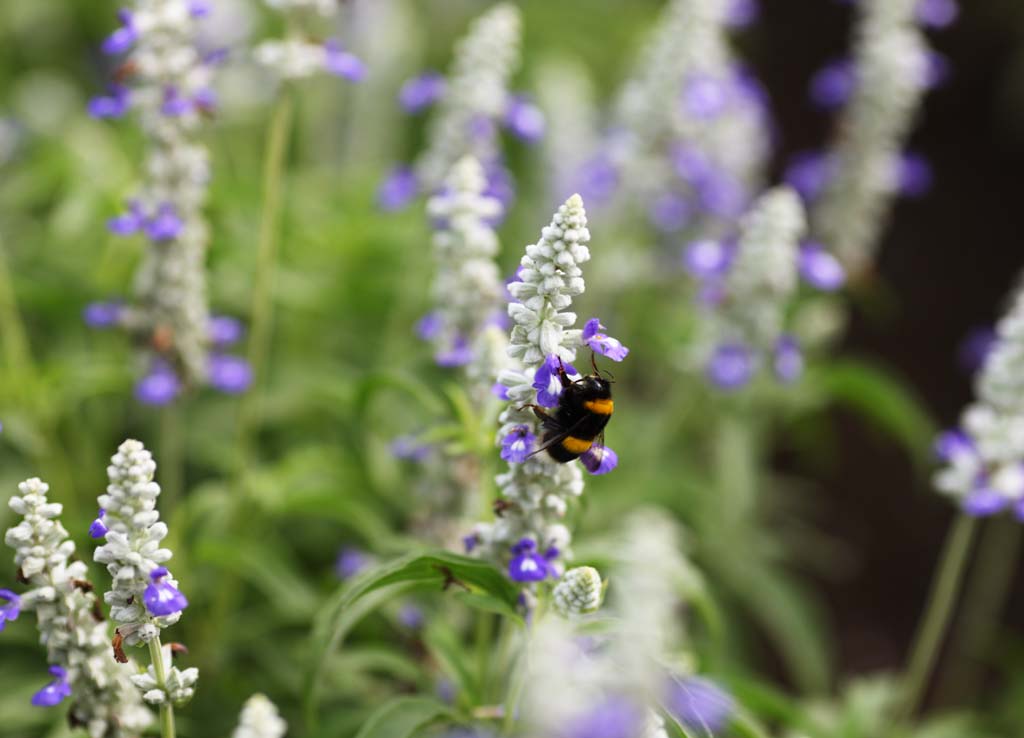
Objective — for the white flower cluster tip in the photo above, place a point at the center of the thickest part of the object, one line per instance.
(579, 592)
(70, 624)
(179, 684)
(260, 719)
(296, 56)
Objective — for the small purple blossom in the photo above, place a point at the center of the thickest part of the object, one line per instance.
(175, 103)
(54, 692)
(501, 187)
(937, 13)
(691, 164)
(524, 119)
(670, 212)
(122, 39)
(129, 222)
(500, 391)
(165, 225)
(599, 459)
(597, 179)
(517, 444)
(410, 448)
(731, 366)
(459, 353)
(10, 607)
(699, 704)
(819, 268)
(205, 99)
(527, 565)
(547, 383)
(342, 63)
(788, 360)
(160, 597)
(708, 259)
(705, 97)
(809, 173)
(228, 374)
(411, 616)
(429, 326)
(223, 330)
(833, 84)
(913, 175)
(102, 314)
(421, 92)
(398, 189)
(350, 561)
(98, 529)
(937, 70)
(742, 13)
(158, 387)
(113, 105)
(975, 348)
(984, 501)
(199, 8)
(616, 717)
(469, 542)
(953, 444)
(721, 194)
(480, 128)
(601, 343)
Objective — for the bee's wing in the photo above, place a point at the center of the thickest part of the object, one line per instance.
(556, 439)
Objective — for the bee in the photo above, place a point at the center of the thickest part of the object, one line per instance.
(584, 409)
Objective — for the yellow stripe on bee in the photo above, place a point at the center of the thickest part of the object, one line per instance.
(576, 445)
(600, 407)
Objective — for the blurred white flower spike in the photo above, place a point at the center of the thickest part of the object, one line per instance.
(260, 719)
(297, 56)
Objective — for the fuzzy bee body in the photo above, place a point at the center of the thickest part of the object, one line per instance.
(584, 409)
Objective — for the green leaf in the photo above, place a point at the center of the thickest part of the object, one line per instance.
(403, 717)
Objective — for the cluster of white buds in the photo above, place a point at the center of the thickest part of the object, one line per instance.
(892, 74)
(71, 625)
(178, 686)
(260, 719)
(566, 93)
(476, 97)
(579, 592)
(296, 56)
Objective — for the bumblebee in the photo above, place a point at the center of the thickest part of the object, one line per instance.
(584, 408)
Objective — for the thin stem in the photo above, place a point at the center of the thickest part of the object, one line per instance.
(172, 458)
(941, 603)
(156, 655)
(15, 341)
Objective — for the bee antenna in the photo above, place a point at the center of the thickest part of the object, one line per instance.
(599, 372)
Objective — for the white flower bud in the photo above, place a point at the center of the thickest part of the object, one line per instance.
(260, 719)
(579, 592)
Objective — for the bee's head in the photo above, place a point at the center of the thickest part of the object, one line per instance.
(596, 386)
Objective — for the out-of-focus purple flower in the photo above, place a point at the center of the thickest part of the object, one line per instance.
(121, 39)
(809, 173)
(421, 92)
(819, 268)
(742, 13)
(501, 187)
(616, 717)
(342, 63)
(597, 179)
(912, 176)
(102, 314)
(165, 225)
(704, 97)
(223, 330)
(446, 690)
(113, 105)
(129, 222)
(205, 99)
(547, 383)
(350, 562)
(936, 13)
(499, 390)
(599, 459)
(731, 366)
(524, 119)
(1018, 510)
(984, 501)
(670, 212)
(481, 128)
(54, 692)
(953, 444)
(721, 194)
(410, 616)
(175, 103)
(98, 528)
(410, 448)
(10, 607)
(833, 84)
(788, 360)
(429, 326)
(398, 189)
(517, 444)
(469, 542)
(459, 353)
(699, 704)
(975, 348)
(602, 343)
(158, 387)
(937, 70)
(707, 259)
(527, 565)
(229, 374)
(691, 164)
(199, 8)
(160, 597)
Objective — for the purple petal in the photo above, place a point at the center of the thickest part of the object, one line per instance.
(54, 692)
(937, 13)
(122, 39)
(820, 269)
(809, 173)
(984, 501)
(129, 222)
(670, 212)
(547, 382)
(11, 607)
(524, 119)
(705, 97)
(601, 343)
(599, 459)
(730, 367)
(410, 448)
(742, 13)
(175, 104)
(615, 717)
(459, 353)
(913, 175)
(98, 528)
(788, 360)
(833, 84)
(597, 179)
(952, 444)
(342, 63)
(163, 598)
(165, 225)
(722, 195)
(499, 390)
(229, 374)
(707, 259)
(114, 105)
(223, 330)
(350, 562)
(975, 348)
(397, 190)
(517, 445)
(158, 387)
(421, 92)
(528, 567)
(102, 314)
(699, 704)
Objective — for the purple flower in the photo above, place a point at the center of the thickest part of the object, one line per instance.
(975, 348)
(730, 367)
(121, 39)
(524, 119)
(809, 173)
(1018, 510)
(721, 194)
(984, 501)
(599, 459)
(98, 529)
(205, 99)
(229, 374)
(421, 92)
(113, 105)
(102, 314)
(470, 542)
(670, 212)
(527, 565)
(602, 343)
(936, 13)
(459, 353)
(699, 704)
(199, 8)
(501, 187)
(10, 608)
(350, 561)
(54, 692)
(158, 387)
(691, 164)
(410, 616)
(397, 190)
(175, 103)
(547, 383)
(952, 444)
(742, 13)
(616, 717)
(429, 326)
(936, 71)
(343, 63)
(499, 390)
(223, 330)
(833, 84)
(480, 128)
(704, 97)
(819, 268)
(913, 176)
(160, 597)
(410, 448)
(517, 444)
(708, 259)
(128, 223)
(788, 360)
(597, 178)
(165, 225)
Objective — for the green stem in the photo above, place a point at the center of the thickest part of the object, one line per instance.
(941, 603)
(172, 458)
(166, 709)
(15, 341)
